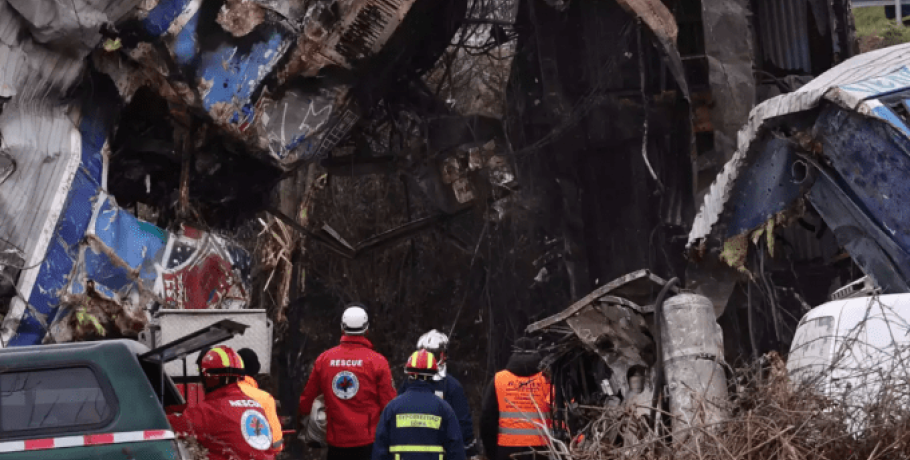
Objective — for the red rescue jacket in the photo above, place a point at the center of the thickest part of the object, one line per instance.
(357, 385)
(229, 424)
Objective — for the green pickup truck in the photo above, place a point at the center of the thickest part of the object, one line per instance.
(85, 401)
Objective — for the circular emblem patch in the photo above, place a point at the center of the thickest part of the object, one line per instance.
(345, 385)
(255, 429)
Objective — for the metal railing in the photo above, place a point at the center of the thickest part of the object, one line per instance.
(895, 3)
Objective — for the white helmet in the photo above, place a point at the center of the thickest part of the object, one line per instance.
(354, 321)
(435, 342)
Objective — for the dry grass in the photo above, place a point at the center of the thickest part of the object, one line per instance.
(770, 420)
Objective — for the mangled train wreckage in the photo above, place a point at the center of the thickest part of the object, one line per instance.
(619, 347)
(217, 101)
(190, 108)
(819, 180)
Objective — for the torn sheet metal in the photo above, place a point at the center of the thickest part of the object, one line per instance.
(770, 187)
(847, 85)
(43, 144)
(614, 332)
(875, 253)
(610, 322)
(636, 288)
(95, 269)
(858, 148)
(660, 20)
(27, 66)
(71, 26)
(298, 123)
(340, 33)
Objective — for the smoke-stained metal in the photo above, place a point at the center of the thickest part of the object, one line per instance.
(784, 34)
(728, 48)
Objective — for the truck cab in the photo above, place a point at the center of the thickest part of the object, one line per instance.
(85, 401)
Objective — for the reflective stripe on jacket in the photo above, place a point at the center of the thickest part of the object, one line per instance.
(524, 407)
(418, 426)
(451, 391)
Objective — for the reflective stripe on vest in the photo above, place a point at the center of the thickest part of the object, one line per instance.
(524, 409)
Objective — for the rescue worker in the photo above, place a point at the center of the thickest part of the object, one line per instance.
(250, 387)
(418, 425)
(356, 383)
(509, 420)
(447, 387)
(230, 424)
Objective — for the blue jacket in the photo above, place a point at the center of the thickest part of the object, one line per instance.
(450, 390)
(418, 425)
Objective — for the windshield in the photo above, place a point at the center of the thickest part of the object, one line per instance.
(52, 399)
(810, 353)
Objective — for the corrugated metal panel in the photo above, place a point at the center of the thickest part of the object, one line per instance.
(31, 70)
(45, 147)
(856, 69)
(784, 33)
(26, 64)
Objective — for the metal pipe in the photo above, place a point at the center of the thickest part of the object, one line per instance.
(898, 13)
(659, 374)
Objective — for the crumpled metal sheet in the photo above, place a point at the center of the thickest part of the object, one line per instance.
(863, 196)
(43, 145)
(615, 333)
(228, 80)
(94, 266)
(28, 68)
(872, 250)
(610, 322)
(767, 188)
(70, 26)
(847, 85)
(636, 290)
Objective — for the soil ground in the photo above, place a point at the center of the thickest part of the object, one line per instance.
(875, 31)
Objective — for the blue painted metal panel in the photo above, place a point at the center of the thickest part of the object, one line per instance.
(765, 188)
(873, 250)
(137, 243)
(235, 75)
(888, 115)
(163, 15)
(64, 245)
(185, 49)
(881, 86)
(873, 159)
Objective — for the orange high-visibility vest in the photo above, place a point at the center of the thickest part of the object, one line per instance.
(524, 406)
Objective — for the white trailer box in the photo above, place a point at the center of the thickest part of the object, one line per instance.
(852, 349)
(168, 325)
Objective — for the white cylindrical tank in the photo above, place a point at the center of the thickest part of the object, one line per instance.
(692, 345)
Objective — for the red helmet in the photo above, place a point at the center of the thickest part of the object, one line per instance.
(422, 362)
(221, 361)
